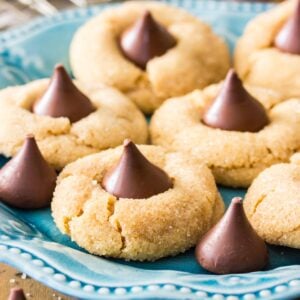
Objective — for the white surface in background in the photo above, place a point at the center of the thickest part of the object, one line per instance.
(15, 12)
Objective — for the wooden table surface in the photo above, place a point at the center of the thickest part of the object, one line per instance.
(10, 277)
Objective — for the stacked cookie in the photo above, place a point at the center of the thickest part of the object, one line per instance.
(145, 202)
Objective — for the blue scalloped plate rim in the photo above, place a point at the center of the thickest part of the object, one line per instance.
(30, 241)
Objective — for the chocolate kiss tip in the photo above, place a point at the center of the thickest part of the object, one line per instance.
(145, 39)
(30, 144)
(127, 142)
(232, 75)
(16, 294)
(33, 187)
(63, 98)
(237, 200)
(59, 66)
(232, 245)
(134, 176)
(288, 38)
(147, 14)
(30, 136)
(235, 109)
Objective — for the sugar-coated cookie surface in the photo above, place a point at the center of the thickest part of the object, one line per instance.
(235, 158)
(259, 62)
(272, 204)
(60, 141)
(136, 229)
(195, 62)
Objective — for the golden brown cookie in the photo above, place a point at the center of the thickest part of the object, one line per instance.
(272, 204)
(235, 158)
(196, 62)
(259, 62)
(59, 140)
(165, 224)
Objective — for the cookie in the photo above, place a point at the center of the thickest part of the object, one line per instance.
(163, 224)
(96, 54)
(234, 157)
(272, 205)
(60, 141)
(259, 57)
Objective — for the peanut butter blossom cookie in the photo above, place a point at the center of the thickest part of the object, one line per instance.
(145, 50)
(272, 204)
(268, 54)
(69, 120)
(137, 203)
(226, 127)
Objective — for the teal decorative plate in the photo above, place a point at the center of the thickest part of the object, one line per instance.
(30, 241)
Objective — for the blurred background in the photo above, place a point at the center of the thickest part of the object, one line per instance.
(15, 12)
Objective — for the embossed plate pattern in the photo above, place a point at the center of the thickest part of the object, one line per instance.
(30, 241)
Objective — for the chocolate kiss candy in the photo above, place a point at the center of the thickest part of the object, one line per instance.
(134, 176)
(63, 99)
(145, 40)
(288, 38)
(16, 294)
(235, 109)
(232, 245)
(27, 181)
